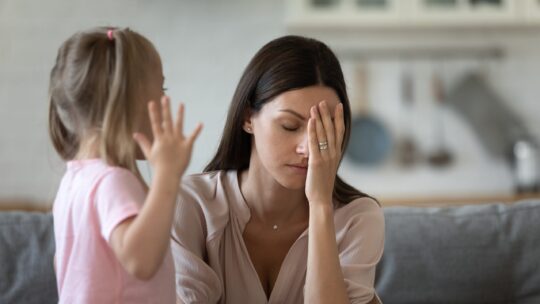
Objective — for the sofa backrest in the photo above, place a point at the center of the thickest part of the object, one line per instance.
(26, 258)
(467, 254)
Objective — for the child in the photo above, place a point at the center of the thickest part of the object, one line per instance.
(112, 231)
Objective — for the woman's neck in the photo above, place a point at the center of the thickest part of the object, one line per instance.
(269, 201)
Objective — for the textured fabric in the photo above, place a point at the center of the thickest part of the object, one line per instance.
(468, 254)
(213, 264)
(92, 200)
(26, 258)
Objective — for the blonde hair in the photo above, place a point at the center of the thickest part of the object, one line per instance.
(95, 87)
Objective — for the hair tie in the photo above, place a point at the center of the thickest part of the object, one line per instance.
(109, 35)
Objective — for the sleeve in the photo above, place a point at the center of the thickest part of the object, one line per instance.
(196, 281)
(360, 250)
(119, 196)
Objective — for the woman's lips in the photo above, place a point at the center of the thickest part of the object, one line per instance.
(298, 168)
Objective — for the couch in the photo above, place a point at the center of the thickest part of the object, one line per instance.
(26, 258)
(488, 253)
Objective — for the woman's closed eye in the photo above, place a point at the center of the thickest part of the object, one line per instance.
(290, 128)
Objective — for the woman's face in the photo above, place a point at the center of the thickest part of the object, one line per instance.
(280, 144)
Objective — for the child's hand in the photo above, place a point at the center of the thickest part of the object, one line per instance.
(170, 151)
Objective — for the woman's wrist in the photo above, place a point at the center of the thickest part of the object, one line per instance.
(322, 210)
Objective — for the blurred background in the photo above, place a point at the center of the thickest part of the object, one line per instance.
(445, 93)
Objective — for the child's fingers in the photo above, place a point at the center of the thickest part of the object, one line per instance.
(180, 120)
(144, 143)
(195, 134)
(155, 120)
(166, 114)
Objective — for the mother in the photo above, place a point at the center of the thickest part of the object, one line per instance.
(269, 221)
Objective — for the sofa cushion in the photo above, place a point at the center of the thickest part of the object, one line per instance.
(26, 258)
(466, 254)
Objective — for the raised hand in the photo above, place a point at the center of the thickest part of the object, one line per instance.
(170, 150)
(325, 138)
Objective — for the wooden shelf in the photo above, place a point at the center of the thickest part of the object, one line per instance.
(24, 205)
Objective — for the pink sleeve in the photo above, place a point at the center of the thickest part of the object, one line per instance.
(361, 248)
(196, 281)
(119, 196)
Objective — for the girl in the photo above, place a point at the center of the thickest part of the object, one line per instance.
(270, 221)
(111, 231)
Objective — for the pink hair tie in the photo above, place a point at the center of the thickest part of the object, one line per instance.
(109, 34)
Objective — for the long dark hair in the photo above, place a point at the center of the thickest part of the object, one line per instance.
(283, 64)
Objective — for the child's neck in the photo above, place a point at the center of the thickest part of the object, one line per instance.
(89, 148)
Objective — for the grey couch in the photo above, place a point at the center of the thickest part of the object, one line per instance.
(26, 258)
(468, 254)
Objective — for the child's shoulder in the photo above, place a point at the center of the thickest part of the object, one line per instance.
(101, 174)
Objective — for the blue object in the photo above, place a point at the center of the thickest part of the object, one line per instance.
(370, 142)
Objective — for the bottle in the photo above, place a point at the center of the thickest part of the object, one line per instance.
(526, 167)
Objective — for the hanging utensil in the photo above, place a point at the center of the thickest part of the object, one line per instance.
(441, 156)
(407, 151)
(370, 141)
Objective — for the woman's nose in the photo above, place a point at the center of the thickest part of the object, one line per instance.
(302, 146)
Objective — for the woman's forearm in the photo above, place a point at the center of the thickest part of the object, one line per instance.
(324, 278)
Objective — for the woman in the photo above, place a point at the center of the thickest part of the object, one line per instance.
(270, 221)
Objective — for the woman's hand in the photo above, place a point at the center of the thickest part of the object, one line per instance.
(325, 138)
(324, 277)
(171, 150)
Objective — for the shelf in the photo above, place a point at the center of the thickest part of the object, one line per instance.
(358, 14)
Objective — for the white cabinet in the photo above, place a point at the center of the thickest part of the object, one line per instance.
(532, 11)
(344, 12)
(466, 12)
(411, 13)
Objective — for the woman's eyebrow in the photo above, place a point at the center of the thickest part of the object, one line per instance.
(298, 114)
(293, 113)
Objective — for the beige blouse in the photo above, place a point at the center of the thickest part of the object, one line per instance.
(212, 262)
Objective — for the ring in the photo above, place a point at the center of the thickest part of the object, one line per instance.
(323, 145)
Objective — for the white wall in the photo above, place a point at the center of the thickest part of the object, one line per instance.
(205, 46)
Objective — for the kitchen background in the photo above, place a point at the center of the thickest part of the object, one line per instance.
(446, 93)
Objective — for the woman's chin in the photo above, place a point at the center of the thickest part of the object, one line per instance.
(294, 182)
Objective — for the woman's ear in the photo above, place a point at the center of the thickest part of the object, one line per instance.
(248, 126)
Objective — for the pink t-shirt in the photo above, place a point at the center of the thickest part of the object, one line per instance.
(92, 200)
